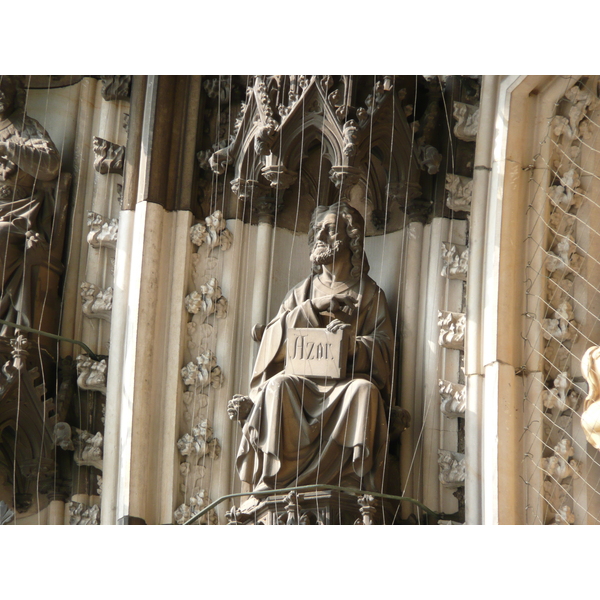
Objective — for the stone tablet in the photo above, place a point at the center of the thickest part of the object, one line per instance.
(316, 353)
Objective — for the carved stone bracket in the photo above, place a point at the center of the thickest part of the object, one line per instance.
(452, 329)
(452, 468)
(455, 261)
(460, 192)
(467, 121)
(103, 232)
(454, 399)
(97, 303)
(82, 514)
(91, 373)
(116, 87)
(110, 157)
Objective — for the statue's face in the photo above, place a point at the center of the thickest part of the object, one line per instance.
(330, 238)
(7, 97)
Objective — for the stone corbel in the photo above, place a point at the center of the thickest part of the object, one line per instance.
(203, 373)
(467, 117)
(562, 327)
(97, 303)
(116, 87)
(454, 399)
(110, 157)
(455, 259)
(103, 232)
(452, 329)
(452, 468)
(91, 374)
(249, 190)
(213, 233)
(279, 176)
(344, 177)
(460, 192)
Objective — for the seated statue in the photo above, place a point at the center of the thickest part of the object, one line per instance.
(590, 418)
(300, 430)
(27, 158)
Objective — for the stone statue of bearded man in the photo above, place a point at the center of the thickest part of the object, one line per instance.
(301, 430)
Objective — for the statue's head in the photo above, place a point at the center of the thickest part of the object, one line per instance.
(12, 94)
(346, 227)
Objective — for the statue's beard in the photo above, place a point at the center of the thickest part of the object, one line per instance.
(323, 254)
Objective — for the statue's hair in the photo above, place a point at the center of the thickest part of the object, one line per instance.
(589, 369)
(17, 83)
(355, 226)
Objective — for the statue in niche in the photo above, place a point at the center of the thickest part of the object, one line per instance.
(299, 430)
(28, 157)
(590, 418)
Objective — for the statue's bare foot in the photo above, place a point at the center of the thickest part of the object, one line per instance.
(239, 407)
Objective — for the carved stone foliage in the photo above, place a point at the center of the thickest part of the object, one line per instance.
(213, 232)
(460, 192)
(561, 465)
(452, 468)
(562, 326)
(97, 303)
(197, 502)
(455, 261)
(454, 399)
(209, 300)
(200, 442)
(109, 157)
(6, 514)
(452, 329)
(91, 373)
(467, 121)
(103, 232)
(116, 87)
(562, 396)
(202, 373)
(82, 514)
(87, 446)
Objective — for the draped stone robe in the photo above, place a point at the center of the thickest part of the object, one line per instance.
(303, 431)
(32, 158)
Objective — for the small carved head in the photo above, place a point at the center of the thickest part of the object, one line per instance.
(355, 227)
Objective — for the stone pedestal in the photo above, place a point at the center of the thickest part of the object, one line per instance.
(313, 508)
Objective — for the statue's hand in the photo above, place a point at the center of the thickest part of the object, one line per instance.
(336, 325)
(239, 407)
(336, 303)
